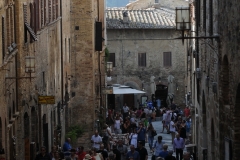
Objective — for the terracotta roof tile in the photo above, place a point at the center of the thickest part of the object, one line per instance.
(140, 19)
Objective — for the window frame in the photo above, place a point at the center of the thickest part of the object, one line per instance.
(167, 60)
(112, 58)
(142, 57)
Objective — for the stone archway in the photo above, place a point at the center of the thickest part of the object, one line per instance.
(225, 81)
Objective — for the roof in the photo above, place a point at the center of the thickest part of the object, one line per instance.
(140, 19)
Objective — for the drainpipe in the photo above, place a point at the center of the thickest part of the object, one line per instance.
(61, 60)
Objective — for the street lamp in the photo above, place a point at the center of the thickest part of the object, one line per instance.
(183, 20)
(183, 23)
(109, 70)
(30, 65)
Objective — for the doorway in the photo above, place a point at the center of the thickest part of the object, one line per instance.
(129, 100)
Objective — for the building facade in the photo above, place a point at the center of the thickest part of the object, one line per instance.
(214, 79)
(36, 33)
(141, 46)
(87, 66)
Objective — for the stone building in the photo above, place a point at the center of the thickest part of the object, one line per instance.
(141, 45)
(213, 79)
(87, 66)
(38, 31)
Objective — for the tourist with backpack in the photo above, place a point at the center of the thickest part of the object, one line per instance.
(157, 147)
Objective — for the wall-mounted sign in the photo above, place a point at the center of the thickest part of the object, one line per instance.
(107, 91)
(46, 99)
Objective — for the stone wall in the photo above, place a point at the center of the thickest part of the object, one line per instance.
(126, 44)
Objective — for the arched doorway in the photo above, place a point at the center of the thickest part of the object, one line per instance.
(26, 136)
(34, 132)
(161, 93)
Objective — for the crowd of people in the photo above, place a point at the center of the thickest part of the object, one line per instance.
(135, 125)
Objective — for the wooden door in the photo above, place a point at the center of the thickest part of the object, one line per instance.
(129, 100)
(27, 149)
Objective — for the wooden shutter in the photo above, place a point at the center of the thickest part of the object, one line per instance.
(56, 9)
(49, 10)
(36, 15)
(142, 59)
(8, 28)
(27, 149)
(53, 9)
(112, 59)
(167, 59)
(210, 17)
(42, 13)
(204, 15)
(45, 12)
(3, 38)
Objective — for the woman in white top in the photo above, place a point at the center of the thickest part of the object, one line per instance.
(172, 128)
(97, 156)
(133, 138)
(117, 125)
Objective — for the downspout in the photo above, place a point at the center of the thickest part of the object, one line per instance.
(61, 61)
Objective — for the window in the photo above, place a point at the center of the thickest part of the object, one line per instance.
(167, 59)
(56, 9)
(204, 15)
(25, 21)
(210, 17)
(112, 59)
(69, 50)
(37, 15)
(142, 59)
(42, 13)
(49, 10)
(156, 1)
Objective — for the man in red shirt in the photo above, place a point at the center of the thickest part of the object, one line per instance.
(186, 112)
(81, 154)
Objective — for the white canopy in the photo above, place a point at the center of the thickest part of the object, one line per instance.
(125, 90)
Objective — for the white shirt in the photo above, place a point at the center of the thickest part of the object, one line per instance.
(164, 116)
(125, 109)
(172, 128)
(117, 124)
(95, 140)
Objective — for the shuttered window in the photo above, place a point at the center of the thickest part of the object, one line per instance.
(37, 15)
(3, 38)
(42, 13)
(204, 15)
(112, 59)
(56, 9)
(142, 59)
(53, 9)
(167, 59)
(45, 12)
(210, 17)
(8, 23)
(49, 10)
(25, 21)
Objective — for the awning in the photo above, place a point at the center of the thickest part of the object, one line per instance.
(30, 30)
(126, 90)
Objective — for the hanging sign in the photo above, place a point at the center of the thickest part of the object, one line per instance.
(46, 99)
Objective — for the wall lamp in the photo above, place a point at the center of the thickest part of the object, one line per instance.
(183, 23)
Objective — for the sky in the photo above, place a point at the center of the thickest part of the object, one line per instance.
(117, 3)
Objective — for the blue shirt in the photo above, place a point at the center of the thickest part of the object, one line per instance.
(163, 154)
(158, 102)
(178, 143)
(158, 147)
(141, 134)
(66, 148)
(134, 155)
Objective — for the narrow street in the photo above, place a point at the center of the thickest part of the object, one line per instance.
(166, 137)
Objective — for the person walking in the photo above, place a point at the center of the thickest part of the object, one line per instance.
(67, 147)
(133, 138)
(125, 111)
(178, 146)
(43, 155)
(164, 153)
(157, 147)
(132, 154)
(170, 156)
(150, 131)
(186, 112)
(122, 148)
(96, 140)
(117, 125)
(81, 153)
(141, 131)
(142, 151)
(172, 128)
(116, 152)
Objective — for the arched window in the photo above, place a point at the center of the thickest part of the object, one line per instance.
(225, 81)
